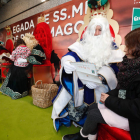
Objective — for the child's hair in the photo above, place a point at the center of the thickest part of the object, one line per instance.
(19, 42)
(132, 42)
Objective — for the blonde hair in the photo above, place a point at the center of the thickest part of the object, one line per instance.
(30, 41)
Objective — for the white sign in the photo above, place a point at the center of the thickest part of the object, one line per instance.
(136, 1)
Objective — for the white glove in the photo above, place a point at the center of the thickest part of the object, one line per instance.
(91, 85)
(21, 60)
(68, 67)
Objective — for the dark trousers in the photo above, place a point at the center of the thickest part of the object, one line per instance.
(94, 117)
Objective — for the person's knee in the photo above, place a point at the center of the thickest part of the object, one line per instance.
(93, 106)
(94, 112)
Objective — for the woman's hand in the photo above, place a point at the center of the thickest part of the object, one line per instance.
(100, 78)
(103, 97)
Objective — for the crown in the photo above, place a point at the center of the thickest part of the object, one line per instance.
(96, 14)
(8, 28)
(41, 18)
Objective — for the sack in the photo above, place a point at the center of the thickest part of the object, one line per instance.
(76, 113)
(43, 94)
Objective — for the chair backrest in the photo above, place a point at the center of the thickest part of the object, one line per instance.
(43, 34)
(9, 45)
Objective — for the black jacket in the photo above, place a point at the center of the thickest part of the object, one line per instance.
(129, 107)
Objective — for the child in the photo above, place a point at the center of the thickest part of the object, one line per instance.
(16, 82)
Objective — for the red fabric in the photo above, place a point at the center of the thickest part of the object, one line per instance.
(105, 132)
(42, 33)
(3, 51)
(30, 75)
(9, 45)
(4, 69)
(112, 32)
(41, 65)
(6, 64)
(83, 33)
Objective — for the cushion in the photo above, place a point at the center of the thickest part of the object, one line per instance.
(105, 132)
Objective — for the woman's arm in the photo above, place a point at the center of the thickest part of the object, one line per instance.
(124, 107)
(113, 92)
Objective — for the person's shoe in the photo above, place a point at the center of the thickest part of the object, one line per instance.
(76, 136)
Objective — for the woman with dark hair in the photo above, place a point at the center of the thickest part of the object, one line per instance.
(119, 107)
(16, 82)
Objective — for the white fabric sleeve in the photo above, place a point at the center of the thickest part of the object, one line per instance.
(67, 58)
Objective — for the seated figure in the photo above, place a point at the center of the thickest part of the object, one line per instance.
(74, 97)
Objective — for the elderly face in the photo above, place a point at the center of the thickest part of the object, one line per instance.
(98, 30)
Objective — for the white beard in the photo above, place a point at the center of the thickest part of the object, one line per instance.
(97, 49)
